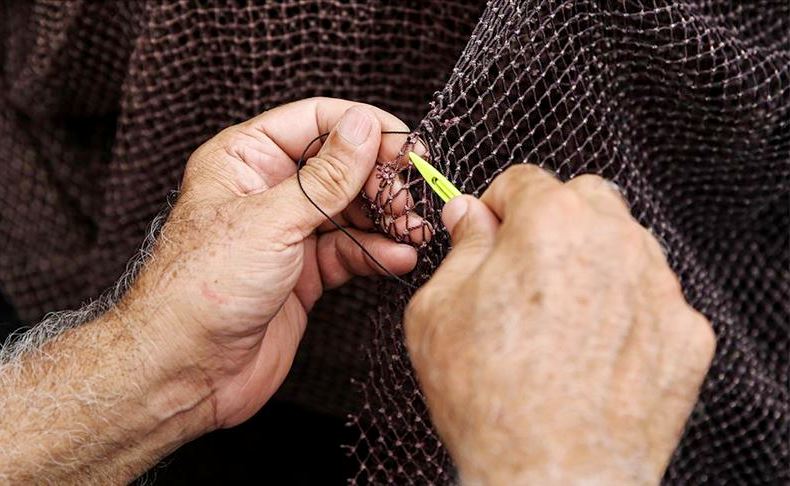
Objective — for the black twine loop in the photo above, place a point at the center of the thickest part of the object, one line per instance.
(301, 162)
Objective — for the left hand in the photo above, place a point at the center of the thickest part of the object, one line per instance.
(554, 344)
(243, 255)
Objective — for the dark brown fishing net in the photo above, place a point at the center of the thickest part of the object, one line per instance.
(686, 105)
(687, 108)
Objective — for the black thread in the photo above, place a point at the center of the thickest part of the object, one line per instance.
(301, 162)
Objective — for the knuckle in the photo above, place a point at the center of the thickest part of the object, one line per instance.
(227, 139)
(520, 175)
(671, 285)
(225, 143)
(514, 178)
(553, 206)
(626, 242)
(630, 234)
(667, 284)
(694, 335)
(590, 182)
(330, 173)
(701, 336)
(230, 145)
(202, 154)
(656, 246)
(525, 171)
(322, 99)
(604, 191)
(563, 199)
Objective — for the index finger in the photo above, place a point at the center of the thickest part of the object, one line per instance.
(292, 126)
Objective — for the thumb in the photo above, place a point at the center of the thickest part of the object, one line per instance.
(473, 228)
(334, 177)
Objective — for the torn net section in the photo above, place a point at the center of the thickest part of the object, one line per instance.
(686, 106)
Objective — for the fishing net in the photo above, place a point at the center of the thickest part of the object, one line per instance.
(685, 105)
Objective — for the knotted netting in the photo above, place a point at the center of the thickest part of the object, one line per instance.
(685, 105)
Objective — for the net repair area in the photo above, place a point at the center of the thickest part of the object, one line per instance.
(685, 104)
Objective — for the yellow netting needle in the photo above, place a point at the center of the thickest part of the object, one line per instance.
(439, 183)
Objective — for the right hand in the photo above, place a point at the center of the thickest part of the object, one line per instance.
(554, 344)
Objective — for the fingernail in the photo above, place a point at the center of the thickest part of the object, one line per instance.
(453, 211)
(355, 126)
(419, 148)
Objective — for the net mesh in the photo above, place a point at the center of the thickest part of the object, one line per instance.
(685, 105)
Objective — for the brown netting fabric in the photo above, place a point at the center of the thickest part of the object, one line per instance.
(101, 104)
(684, 104)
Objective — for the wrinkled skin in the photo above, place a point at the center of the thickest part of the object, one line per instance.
(554, 344)
(207, 332)
(244, 255)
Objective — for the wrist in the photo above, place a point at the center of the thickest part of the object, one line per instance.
(177, 391)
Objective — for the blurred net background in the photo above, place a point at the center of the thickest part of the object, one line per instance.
(686, 105)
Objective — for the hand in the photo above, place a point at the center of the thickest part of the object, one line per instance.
(554, 344)
(244, 255)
